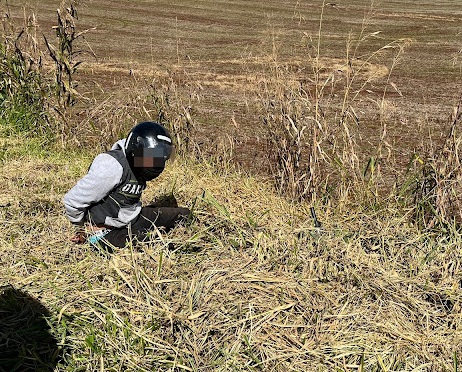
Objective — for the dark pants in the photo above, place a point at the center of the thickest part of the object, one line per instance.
(162, 217)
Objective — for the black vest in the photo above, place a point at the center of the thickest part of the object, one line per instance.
(126, 194)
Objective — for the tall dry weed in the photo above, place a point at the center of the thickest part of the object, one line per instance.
(437, 192)
(310, 110)
(23, 86)
(64, 54)
(112, 115)
(175, 108)
(32, 97)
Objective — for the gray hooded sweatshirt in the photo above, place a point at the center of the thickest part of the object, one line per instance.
(109, 194)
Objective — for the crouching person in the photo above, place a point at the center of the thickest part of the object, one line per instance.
(105, 204)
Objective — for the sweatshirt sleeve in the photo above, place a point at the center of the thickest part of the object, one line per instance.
(103, 176)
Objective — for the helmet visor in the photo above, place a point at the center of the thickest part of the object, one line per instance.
(151, 158)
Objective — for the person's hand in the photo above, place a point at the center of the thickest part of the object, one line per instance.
(79, 237)
(81, 232)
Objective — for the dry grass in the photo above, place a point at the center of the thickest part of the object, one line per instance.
(250, 285)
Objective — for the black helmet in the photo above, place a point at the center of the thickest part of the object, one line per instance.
(147, 148)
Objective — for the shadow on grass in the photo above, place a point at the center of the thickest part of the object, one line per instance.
(26, 343)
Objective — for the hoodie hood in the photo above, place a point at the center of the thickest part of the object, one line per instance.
(119, 145)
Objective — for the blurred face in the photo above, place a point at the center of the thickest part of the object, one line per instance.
(149, 158)
(149, 163)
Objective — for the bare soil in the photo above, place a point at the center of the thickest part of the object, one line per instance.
(222, 49)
